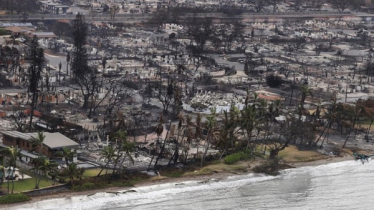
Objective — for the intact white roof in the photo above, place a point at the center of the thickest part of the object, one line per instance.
(57, 140)
(51, 140)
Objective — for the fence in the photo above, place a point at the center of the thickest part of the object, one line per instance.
(47, 190)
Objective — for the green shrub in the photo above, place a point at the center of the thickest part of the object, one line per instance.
(235, 157)
(85, 186)
(88, 186)
(3, 32)
(14, 198)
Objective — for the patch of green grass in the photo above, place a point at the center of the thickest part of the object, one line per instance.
(105, 181)
(204, 171)
(14, 198)
(26, 184)
(215, 162)
(235, 157)
(94, 172)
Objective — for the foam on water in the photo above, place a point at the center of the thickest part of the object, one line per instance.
(294, 188)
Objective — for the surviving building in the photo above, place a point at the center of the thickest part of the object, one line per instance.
(52, 143)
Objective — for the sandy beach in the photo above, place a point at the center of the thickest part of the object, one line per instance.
(162, 180)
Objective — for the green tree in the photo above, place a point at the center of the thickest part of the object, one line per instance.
(248, 121)
(72, 171)
(36, 55)
(123, 150)
(189, 132)
(37, 142)
(67, 154)
(37, 145)
(211, 123)
(305, 91)
(42, 165)
(108, 153)
(11, 153)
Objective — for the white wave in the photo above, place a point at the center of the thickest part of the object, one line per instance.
(152, 192)
(332, 173)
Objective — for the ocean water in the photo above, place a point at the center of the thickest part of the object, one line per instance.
(343, 185)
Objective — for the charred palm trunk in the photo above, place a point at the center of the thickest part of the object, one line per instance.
(328, 125)
(102, 169)
(115, 164)
(206, 148)
(326, 137)
(34, 97)
(368, 131)
(292, 87)
(163, 147)
(349, 134)
(175, 156)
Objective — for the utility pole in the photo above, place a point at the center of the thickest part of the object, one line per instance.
(346, 92)
(59, 72)
(67, 63)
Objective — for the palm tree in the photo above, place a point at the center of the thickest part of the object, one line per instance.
(163, 145)
(2, 175)
(261, 105)
(79, 173)
(126, 149)
(121, 137)
(354, 118)
(37, 142)
(180, 127)
(190, 135)
(108, 153)
(305, 91)
(67, 154)
(12, 153)
(277, 105)
(42, 165)
(210, 125)
(226, 135)
(224, 132)
(71, 172)
(248, 121)
(158, 130)
(272, 112)
(369, 128)
(331, 115)
(292, 89)
(198, 131)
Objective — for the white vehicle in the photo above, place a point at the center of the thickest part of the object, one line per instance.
(21, 40)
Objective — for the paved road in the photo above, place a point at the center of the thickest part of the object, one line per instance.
(89, 17)
(145, 17)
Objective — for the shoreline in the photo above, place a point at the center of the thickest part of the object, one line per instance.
(163, 180)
